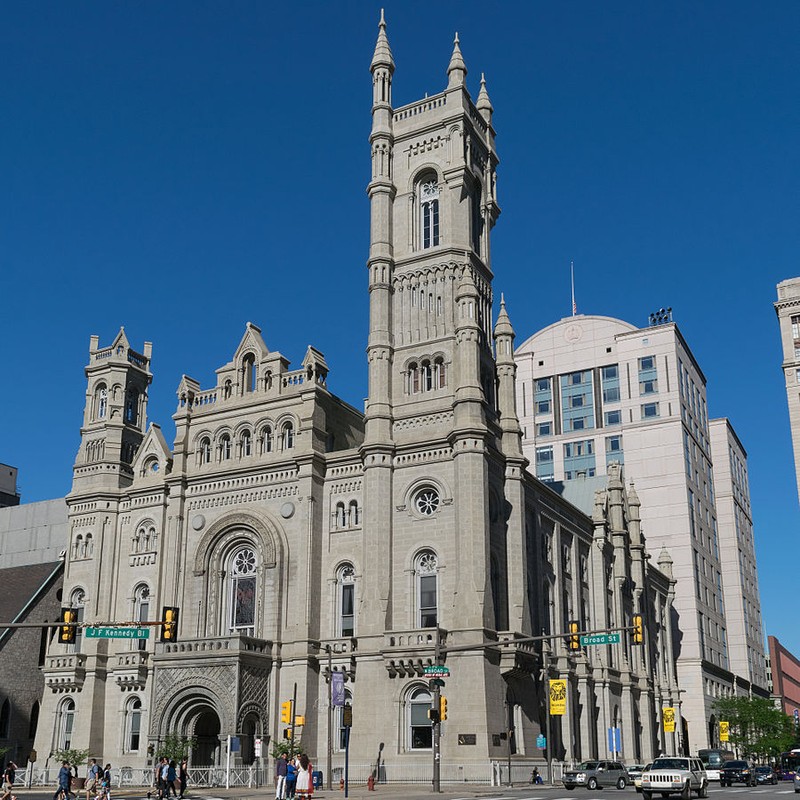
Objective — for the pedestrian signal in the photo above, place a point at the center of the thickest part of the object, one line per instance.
(442, 708)
(433, 715)
(286, 712)
(169, 624)
(638, 629)
(574, 641)
(67, 630)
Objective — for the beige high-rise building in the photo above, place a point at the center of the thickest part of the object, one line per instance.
(594, 390)
(300, 538)
(788, 310)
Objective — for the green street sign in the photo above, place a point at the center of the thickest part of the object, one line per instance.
(435, 671)
(118, 633)
(600, 638)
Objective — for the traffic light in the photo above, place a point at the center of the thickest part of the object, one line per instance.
(66, 632)
(169, 624)
(574, 640)
(287, 733)
(286, 712)
(638, 629)
(442, 708)
(433, 715)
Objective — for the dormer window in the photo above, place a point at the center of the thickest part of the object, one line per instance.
(429, 213)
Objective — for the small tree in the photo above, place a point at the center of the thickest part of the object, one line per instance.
(176, 747)
(289, 746)
(757, 729)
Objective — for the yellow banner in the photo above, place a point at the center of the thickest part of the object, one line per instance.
(724, 731)
(668, 716)
(558, 698)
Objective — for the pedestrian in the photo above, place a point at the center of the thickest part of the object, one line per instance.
(183, 777)
(291, 778)
(163, 771)
(305, 784)
(93, 777)
(64, 778)
(105, 785)
(280, 776)
(9, 776)
(172, 778)
(536, 777)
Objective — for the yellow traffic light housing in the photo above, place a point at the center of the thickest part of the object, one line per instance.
(286, 712)
(67, 630)
(574, 640)
(638, 629)
(433, 715)
(169, 624)
(442, 708)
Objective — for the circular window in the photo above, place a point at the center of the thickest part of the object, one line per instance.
(244, 562)
(426, 501)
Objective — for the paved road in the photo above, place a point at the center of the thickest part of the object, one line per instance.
(416, 792)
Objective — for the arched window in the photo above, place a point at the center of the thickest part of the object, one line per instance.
(418, 724)
(77, 549)
(427, 376)
(287, 436)
(205, 450)
(5, 718)
(341, 739)
(227, 389)
(353, 514)
(65, 722)
(246, 444)
(34, 720)
(249, 372)
(266, 439)
(132, 406)
(413, 378)
(224, 447)
(429, 212)
(141, 609)
(242, 572)
(101, 401)
(133, 725)
(340, 520)
(440, 374)
(88, 546)
(426, 569)
(346, 600)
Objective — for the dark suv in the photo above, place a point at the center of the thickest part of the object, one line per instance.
(737, 772)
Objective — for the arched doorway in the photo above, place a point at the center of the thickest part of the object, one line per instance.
(205, 730)
(250, 729)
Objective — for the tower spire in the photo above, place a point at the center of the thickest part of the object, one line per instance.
(456, 69)
(382, 57)
(484, 104)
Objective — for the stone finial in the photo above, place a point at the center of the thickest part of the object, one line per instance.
(633, 497)
(503, 326)
(484, 104)
(456, 69)
(665, 561)
(382, 56)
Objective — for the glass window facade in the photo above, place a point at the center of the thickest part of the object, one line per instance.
(610, 381)
(579, 458)
(614, 449)
(544, 463)
(577, 401)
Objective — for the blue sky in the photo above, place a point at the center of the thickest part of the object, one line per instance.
(181, 168)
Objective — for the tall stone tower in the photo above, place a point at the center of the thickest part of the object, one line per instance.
(444, 530)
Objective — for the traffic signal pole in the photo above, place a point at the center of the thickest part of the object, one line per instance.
(437, 722)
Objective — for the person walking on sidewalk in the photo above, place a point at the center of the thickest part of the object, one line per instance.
(183, 777)
(9, 776)
(305, 782)
(280, 776)
(64, 778)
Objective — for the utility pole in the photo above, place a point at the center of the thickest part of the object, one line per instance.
(330, 717)
(294, 717)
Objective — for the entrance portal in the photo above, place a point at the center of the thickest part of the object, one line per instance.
(206, 732)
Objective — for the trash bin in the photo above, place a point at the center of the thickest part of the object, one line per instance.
(316, 777)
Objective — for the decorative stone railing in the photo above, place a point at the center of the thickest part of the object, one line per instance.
(63, 673)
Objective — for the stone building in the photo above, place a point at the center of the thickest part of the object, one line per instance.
(299, 536)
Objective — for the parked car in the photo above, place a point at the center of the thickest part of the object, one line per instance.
(637, 781)
(594, 774)
(634, 770)
(737, 772)
(796, 782)
(675, 775)
(765, 775)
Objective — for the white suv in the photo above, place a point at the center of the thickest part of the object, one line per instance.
(675, 775)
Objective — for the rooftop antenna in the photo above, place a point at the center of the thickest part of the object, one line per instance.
(572, 281)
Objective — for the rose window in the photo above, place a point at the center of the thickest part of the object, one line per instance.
(426, 502)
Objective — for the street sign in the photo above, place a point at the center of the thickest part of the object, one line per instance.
(257, 747)
(347, 716)
(600, 638)
(118, 633)
(541, 742)
(436, 671)
(614, 741)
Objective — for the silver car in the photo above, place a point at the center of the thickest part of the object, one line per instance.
(594, 774)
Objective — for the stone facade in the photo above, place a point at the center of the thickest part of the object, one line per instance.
(298, 536)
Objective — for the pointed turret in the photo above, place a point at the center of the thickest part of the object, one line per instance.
(456, 69)
(503, 325)
(382, 57)
(484, 104)
(665, 561)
